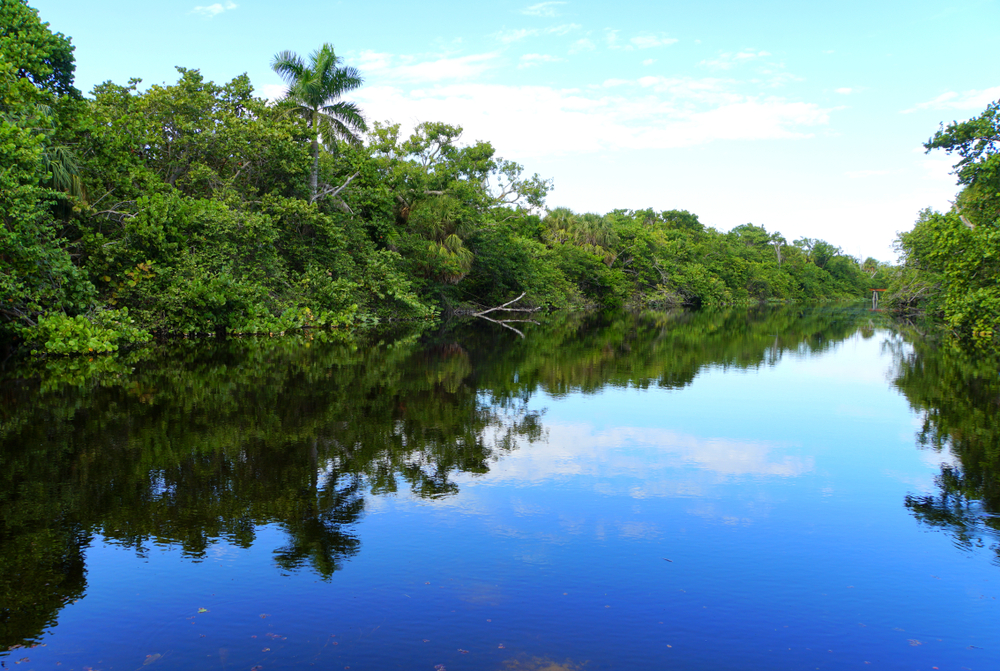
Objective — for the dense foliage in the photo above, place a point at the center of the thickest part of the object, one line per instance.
(196, 207)
(951, 260)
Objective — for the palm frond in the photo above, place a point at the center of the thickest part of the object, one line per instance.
(288, 65)
(348, 113)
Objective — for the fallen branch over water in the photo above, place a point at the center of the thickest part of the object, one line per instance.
(506, 323)
(507, 309)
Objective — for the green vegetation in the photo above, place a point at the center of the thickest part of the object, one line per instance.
(200, 208)
(951, 260)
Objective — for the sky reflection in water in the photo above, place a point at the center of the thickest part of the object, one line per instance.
(748, 516)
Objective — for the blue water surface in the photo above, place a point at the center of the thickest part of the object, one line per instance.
(751, 519)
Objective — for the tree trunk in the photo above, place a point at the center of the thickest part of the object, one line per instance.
(314, 177)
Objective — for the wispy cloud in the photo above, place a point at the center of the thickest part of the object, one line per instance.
(952, 100)
(209, 11)
(651, 41)
(518, 34)
(546, 9)
(650, 113)
(581, 45)
(390, 68)
(844, 91)
(647, 41)
(727, 61)
(530, 60)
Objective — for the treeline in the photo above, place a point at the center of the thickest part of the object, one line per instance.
(951, 260)
(200, 208)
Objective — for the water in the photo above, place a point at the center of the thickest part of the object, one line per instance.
(773, 489)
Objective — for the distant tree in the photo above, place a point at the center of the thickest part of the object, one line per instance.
(314, 92)
(778, 242)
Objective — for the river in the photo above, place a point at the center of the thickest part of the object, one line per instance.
(776, 488)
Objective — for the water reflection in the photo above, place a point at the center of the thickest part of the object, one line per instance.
(209, 442)
(958, 393)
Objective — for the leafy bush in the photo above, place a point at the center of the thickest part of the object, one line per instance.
(99, 333)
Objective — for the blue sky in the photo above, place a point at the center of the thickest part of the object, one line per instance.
(806, 118)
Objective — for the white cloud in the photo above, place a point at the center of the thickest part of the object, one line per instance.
(581, 45)
(649, 61)
(650, 41)
(651, 113)
(845, 91)
(637, 42)
(529, 60)
(974, 99)
(563, 29)
(518, 34)
(546, 9)
(726, 61)
(209, 11)
(389, 68)
(273, 91)
(375, 60)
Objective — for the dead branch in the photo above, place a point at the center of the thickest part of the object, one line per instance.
(333, 191)
(507, 309)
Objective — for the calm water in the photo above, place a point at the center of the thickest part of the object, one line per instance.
(774, 489)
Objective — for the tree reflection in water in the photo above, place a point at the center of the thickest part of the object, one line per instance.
(201, 442)
(958, 393)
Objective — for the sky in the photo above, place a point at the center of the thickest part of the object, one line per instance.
(803, 117)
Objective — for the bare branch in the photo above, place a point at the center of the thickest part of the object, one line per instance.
(333, 191)
(507, 309)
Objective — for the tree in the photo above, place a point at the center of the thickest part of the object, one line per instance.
(37, 54)
(778, 242)
(314, 93)
(977, 141)
(38, 106)
(951, 261)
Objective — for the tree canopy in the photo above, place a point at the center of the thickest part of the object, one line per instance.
(197, 207)
(951, 260)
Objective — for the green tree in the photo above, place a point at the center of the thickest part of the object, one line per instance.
(37, 54)
(314, 93)
(952, 260)
(38, 105)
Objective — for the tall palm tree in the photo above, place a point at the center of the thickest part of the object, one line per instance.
(314, 93)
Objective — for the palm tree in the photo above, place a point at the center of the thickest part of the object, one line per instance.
(314, 93)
